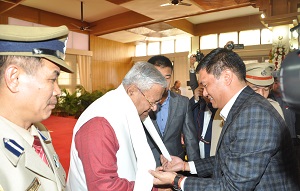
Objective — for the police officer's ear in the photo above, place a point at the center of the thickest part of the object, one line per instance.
(11, 77)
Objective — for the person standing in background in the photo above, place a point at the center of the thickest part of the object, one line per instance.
(173, 118)
(31, 59)
(259, 78)
(203, 114)
(192, 73)
(194, 59)
(176, 87)
(208, 124)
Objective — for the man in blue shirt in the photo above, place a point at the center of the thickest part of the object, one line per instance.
(173, 119)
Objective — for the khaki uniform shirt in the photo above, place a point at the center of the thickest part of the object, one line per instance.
(21, 167)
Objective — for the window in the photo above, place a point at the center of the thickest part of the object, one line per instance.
(183, 44)
(266, 36)
(209, 41)
(69, 81)
(167, 46)
(153, 48)
(250, 61)
(140, 49)
(249, 37)
(225, 37)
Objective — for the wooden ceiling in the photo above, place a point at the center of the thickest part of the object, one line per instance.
(134, 17)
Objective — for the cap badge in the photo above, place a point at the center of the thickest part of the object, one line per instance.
(264, 73)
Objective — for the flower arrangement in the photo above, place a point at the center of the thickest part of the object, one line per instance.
(277, 53)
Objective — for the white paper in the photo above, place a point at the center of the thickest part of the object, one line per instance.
(154, 134)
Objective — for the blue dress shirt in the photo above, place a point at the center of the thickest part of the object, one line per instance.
(162, 114)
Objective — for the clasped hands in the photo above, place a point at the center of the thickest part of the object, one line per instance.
(166, 173)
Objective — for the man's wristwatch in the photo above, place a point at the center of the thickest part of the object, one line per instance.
(177, 181)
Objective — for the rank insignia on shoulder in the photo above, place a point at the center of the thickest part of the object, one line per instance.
(13, 146)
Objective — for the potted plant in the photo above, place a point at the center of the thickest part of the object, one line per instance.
(74, 104)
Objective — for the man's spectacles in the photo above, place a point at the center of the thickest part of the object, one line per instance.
(151, 103)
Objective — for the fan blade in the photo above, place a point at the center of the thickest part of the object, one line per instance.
(88, 28)
(75, 30)
(166, 4)
(186, 4)
(75, 25)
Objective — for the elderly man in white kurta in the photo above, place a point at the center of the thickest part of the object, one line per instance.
(109, 150)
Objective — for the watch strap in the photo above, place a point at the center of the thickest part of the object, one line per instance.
(176, 181)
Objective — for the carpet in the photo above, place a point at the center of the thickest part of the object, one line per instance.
(61, 129)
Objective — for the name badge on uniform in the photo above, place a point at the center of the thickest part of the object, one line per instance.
(35, 184)
(56, 161)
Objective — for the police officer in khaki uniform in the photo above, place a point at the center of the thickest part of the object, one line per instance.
(259, 78)
(31, 59)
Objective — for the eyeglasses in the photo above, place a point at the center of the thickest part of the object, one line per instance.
(151, 103)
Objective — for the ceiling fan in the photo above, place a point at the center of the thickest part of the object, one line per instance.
(176, 2)
(82, 28)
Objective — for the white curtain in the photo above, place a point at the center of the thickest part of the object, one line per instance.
(85, 71)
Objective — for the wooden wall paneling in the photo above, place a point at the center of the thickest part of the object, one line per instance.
(229, 25)
(281, 7)
(42, 17)
(293, 6)
(181, 69)
(6, 5)
(183, 25)
(3, 19)
(111, 61)
(24, 13)
(195, 45)
(279, 12)
(264, 6)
